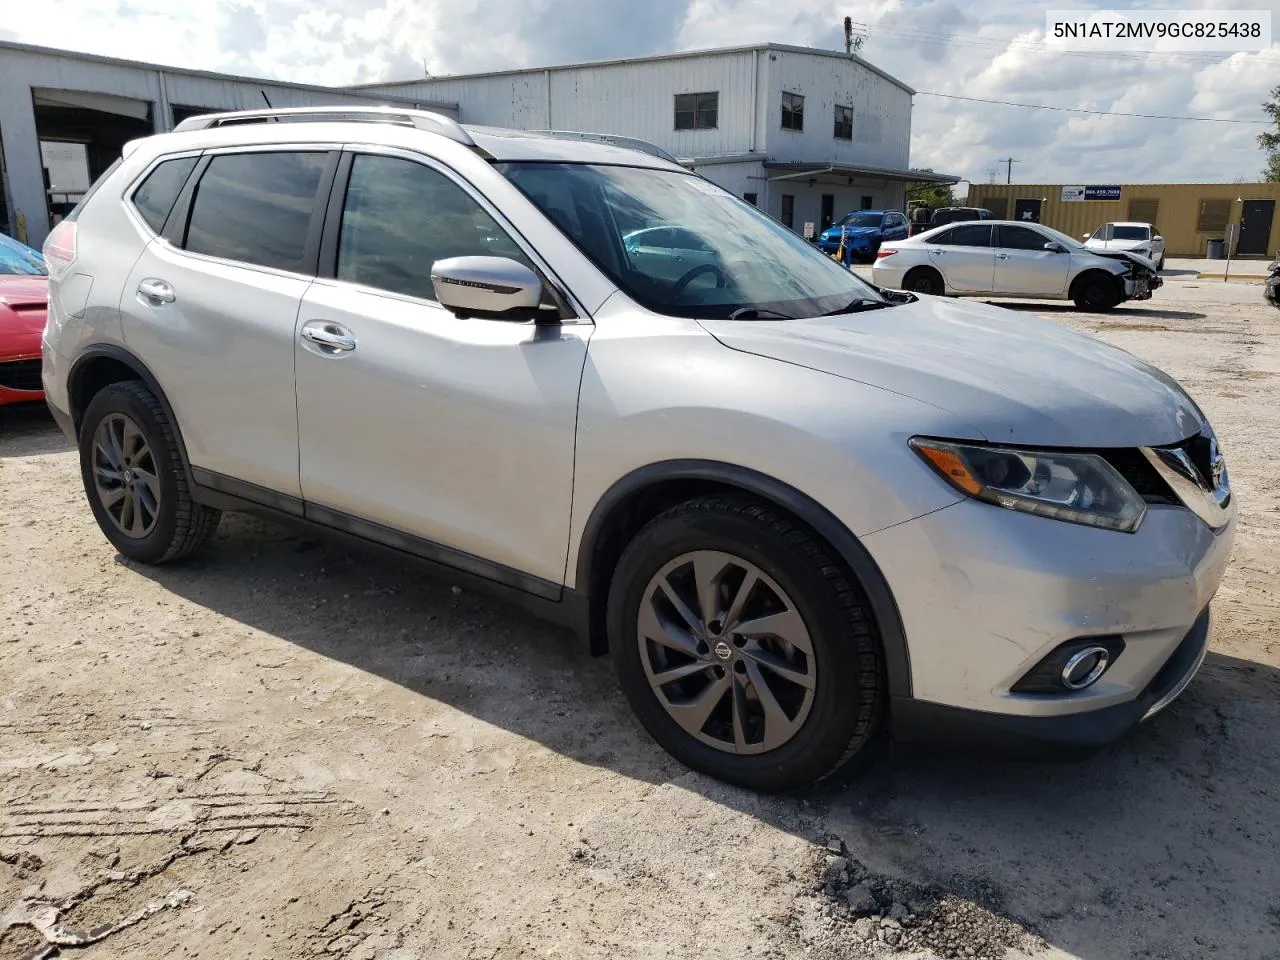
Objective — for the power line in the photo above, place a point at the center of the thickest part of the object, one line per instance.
(1100, 113)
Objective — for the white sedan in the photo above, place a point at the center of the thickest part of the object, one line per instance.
(1005, 258)
(1139, 238)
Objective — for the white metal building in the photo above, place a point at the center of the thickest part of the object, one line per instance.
(69, 115)
(807, 134)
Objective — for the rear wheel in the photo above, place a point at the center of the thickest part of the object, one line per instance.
(746, 651)
(1095, 292)
(924, 280)
(133, 477)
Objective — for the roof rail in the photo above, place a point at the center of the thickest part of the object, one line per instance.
(631, 143)
(421, 119)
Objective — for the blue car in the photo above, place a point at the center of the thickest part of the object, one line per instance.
(864, 231)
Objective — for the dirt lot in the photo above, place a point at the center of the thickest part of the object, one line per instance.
(284, 749)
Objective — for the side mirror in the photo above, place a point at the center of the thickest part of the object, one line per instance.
(1055, 247)
(493, 288)
(1085, 236)
(1158, 239)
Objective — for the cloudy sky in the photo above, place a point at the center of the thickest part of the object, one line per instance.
(978, 49)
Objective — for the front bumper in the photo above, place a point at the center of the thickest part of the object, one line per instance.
(18, 382)
(1141, 286)
(918, 722)
(985, 594)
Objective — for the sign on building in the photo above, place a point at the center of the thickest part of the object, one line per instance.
(1108, 191)
(808, 230)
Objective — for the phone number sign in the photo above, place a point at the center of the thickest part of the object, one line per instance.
(1106, 191)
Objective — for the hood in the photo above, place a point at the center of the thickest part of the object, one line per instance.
(24, 302)
(1014, 377)
(1114, 254)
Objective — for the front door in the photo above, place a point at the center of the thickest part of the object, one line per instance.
(1026, 211)
(1255, 227)
(458, 433)
(828, 211)
(965, 257)
(1024, 266)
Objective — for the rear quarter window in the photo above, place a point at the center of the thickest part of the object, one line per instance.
(155, 197)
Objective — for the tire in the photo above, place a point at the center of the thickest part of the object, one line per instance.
(137, 487)
(924, 280)
(1160, 265)
(824, 722)
(1095, 292)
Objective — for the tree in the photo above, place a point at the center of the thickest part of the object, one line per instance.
(1270, 141)
(932, 195)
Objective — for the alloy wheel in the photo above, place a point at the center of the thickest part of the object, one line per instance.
(726, 652)
(124, 476)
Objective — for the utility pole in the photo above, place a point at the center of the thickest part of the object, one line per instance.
(1008, 168)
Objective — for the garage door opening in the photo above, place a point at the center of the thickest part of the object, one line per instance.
(81, 134)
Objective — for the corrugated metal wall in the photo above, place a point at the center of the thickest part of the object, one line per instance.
(1177, 216)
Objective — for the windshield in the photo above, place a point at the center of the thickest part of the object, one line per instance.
(18, 258)
(860, 220)
(1130, 233)
(681, 246)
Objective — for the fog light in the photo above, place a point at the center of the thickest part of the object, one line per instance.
(1085, 667)
(1074, 666)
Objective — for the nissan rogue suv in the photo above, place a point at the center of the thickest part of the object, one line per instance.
(797, 510)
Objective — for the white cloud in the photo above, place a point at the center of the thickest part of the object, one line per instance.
(990, 50)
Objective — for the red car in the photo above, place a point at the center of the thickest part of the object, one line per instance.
(24, 301)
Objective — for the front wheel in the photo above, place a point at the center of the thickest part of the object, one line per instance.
(1096, 292)
(924, 280)
(744, 648)
(132, 472)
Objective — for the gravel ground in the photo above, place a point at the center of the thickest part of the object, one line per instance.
(285, 749)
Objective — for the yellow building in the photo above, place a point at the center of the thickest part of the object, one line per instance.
(1187, 215)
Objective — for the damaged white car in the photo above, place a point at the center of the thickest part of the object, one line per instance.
(1003, 258)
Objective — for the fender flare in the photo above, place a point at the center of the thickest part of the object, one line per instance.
(111, 351)
(883, 606)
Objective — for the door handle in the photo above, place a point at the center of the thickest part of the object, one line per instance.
(156, 291)
(330, 337)
(1002, 256)
(936, 253)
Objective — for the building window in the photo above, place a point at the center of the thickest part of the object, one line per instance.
(1214, 215)
(844, 123)
(697, 111)
(750, 198)
(999, 207)
(792, 111)
(788, 209)
(866, 203)
(1143, 211)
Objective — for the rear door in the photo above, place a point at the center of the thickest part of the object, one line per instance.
(212, 304)
(1024, 266)
(965, 257)
(895, 227)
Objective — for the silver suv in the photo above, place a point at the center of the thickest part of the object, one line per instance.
(797, 510)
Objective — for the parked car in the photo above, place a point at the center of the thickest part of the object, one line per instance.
(944, 215)
(863, 231)
(1271, 289)
(1003, 258)
(24, 293)
(795, 509)
(1140, 238)
(669, 252)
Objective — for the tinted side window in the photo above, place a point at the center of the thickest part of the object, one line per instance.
(970, 235)
(256, 208)
(400, 217)
(154, 199)
(1020, 238)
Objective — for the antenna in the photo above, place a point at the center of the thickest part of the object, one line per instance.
(264, 97)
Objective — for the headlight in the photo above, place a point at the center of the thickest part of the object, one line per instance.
(1076, 487)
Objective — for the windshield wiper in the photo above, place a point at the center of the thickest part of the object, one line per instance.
(857, 306)
(758, 313)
